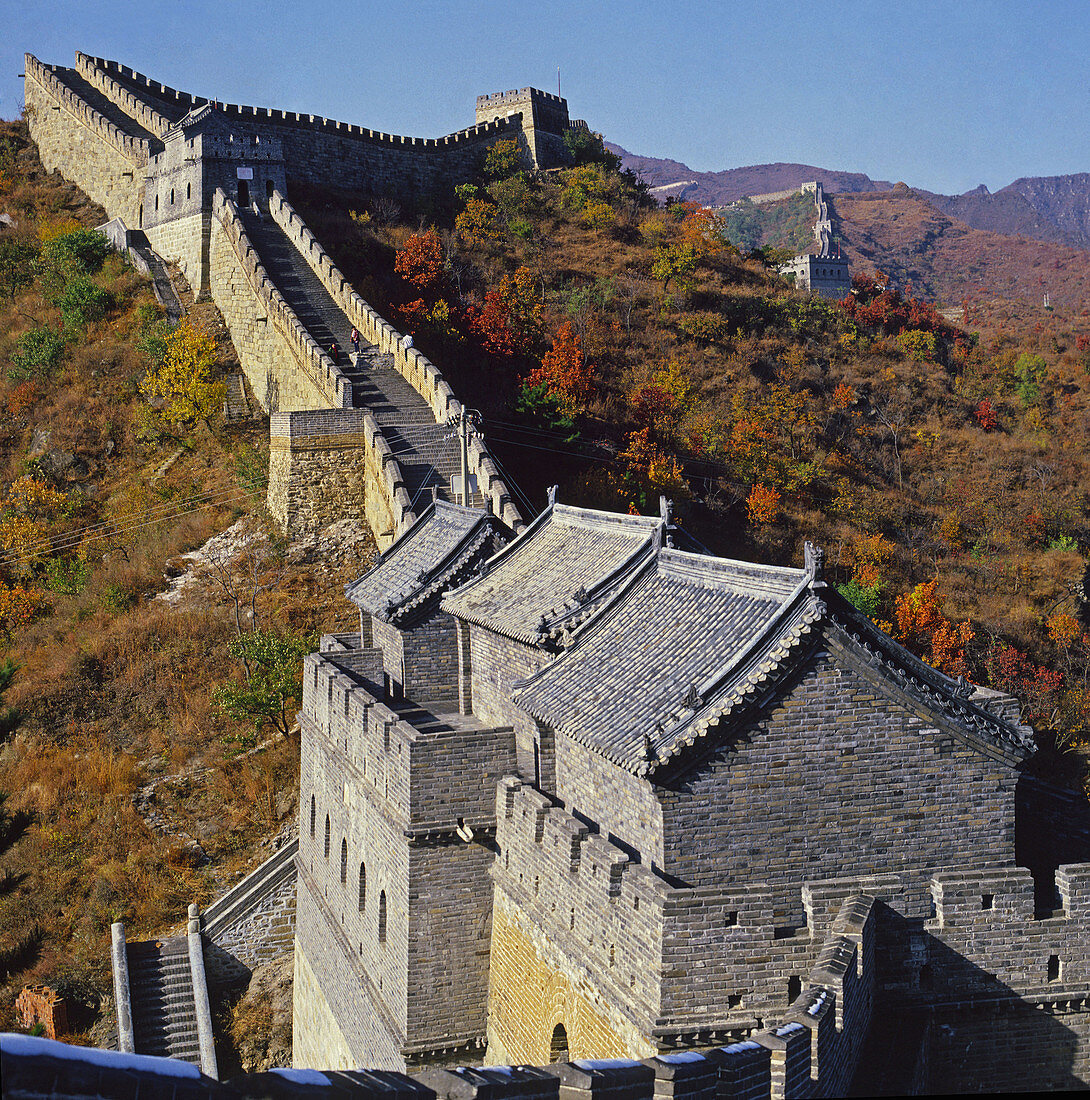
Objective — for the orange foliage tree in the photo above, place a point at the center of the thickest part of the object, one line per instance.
(763, 504)
(923, 628)
(565, 372)
(420, 261)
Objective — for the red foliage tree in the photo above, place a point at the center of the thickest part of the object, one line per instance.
(565, 372)
(985, 415)
(420, 261)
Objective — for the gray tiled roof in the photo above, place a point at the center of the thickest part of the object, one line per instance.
(688, 639)
(567, 558)
(676, 630)
(435, 554)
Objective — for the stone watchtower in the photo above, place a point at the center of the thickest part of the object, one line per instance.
(544, 121)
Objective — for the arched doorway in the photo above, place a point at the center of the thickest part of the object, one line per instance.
(558, 1048)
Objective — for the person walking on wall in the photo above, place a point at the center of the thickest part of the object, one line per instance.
(355, 340)
(334, 353)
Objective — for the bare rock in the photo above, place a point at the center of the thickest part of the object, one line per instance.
(261, 1021)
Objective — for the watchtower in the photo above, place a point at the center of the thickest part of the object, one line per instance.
(544, 121)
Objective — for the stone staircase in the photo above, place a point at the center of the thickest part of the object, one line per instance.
(428, 453)
(164, 1014)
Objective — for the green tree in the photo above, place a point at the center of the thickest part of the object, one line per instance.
(17, 257)
(502, 160)
(37, 353)
(272, 687)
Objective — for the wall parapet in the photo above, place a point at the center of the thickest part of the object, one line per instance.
(323, 372)
(316, 123)
(119, 95)
(413, 365)
(134, 149)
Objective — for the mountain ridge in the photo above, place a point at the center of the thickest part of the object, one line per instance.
(1054, 209)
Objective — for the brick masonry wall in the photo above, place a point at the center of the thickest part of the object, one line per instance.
(623, 806)
(496, 662)
(533, 988)
(450, 931)
(340, 938)
(1008, 1047)
(185, 241)
(837, 757)
(266, 932)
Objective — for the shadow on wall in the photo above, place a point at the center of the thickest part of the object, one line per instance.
(945, 1025)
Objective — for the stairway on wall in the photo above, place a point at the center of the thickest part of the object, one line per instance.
(428, 453)
(164, 1014)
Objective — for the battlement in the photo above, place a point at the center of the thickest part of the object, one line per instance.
(321, 369)
(538, 110)
(519, 95)
(693, 960)
(134, 149)
(435, 773)
(244, 113)
(97, 75)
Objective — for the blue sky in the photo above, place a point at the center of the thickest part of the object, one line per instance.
(941, 95)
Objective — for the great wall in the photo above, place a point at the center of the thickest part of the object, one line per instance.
(204, 184)
(570, 795)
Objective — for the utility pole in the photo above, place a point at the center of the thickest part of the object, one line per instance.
(466, 419)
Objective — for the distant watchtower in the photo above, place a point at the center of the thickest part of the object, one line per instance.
(544, 121)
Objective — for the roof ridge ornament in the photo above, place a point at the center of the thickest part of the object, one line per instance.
(814, 559)
(692, 698)
(552, 494)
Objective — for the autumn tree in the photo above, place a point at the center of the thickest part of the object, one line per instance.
(923, 628)
(565, 372)
(420, 261)
(184, 377)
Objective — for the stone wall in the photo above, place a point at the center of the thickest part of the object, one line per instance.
(329, 464)
(254, 921)
(841, 742)
(412, 364)
(336, 153)
(185, 242)
(286, 369)
(82, 145)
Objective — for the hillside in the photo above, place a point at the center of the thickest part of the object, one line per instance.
(129, 786)
(901, 233)
(1048, 208)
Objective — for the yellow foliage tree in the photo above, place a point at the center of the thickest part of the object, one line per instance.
(184, 378)
(29, 512)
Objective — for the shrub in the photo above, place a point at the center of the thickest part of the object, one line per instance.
(704, 326)
(81, 252)
(868, 600)
(37, 354)
(81, 302)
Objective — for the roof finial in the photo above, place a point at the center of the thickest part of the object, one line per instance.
(552, 494)
(814, 558)
(692, 698)
(666, 510)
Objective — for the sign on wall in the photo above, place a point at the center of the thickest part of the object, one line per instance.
(244, 173)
